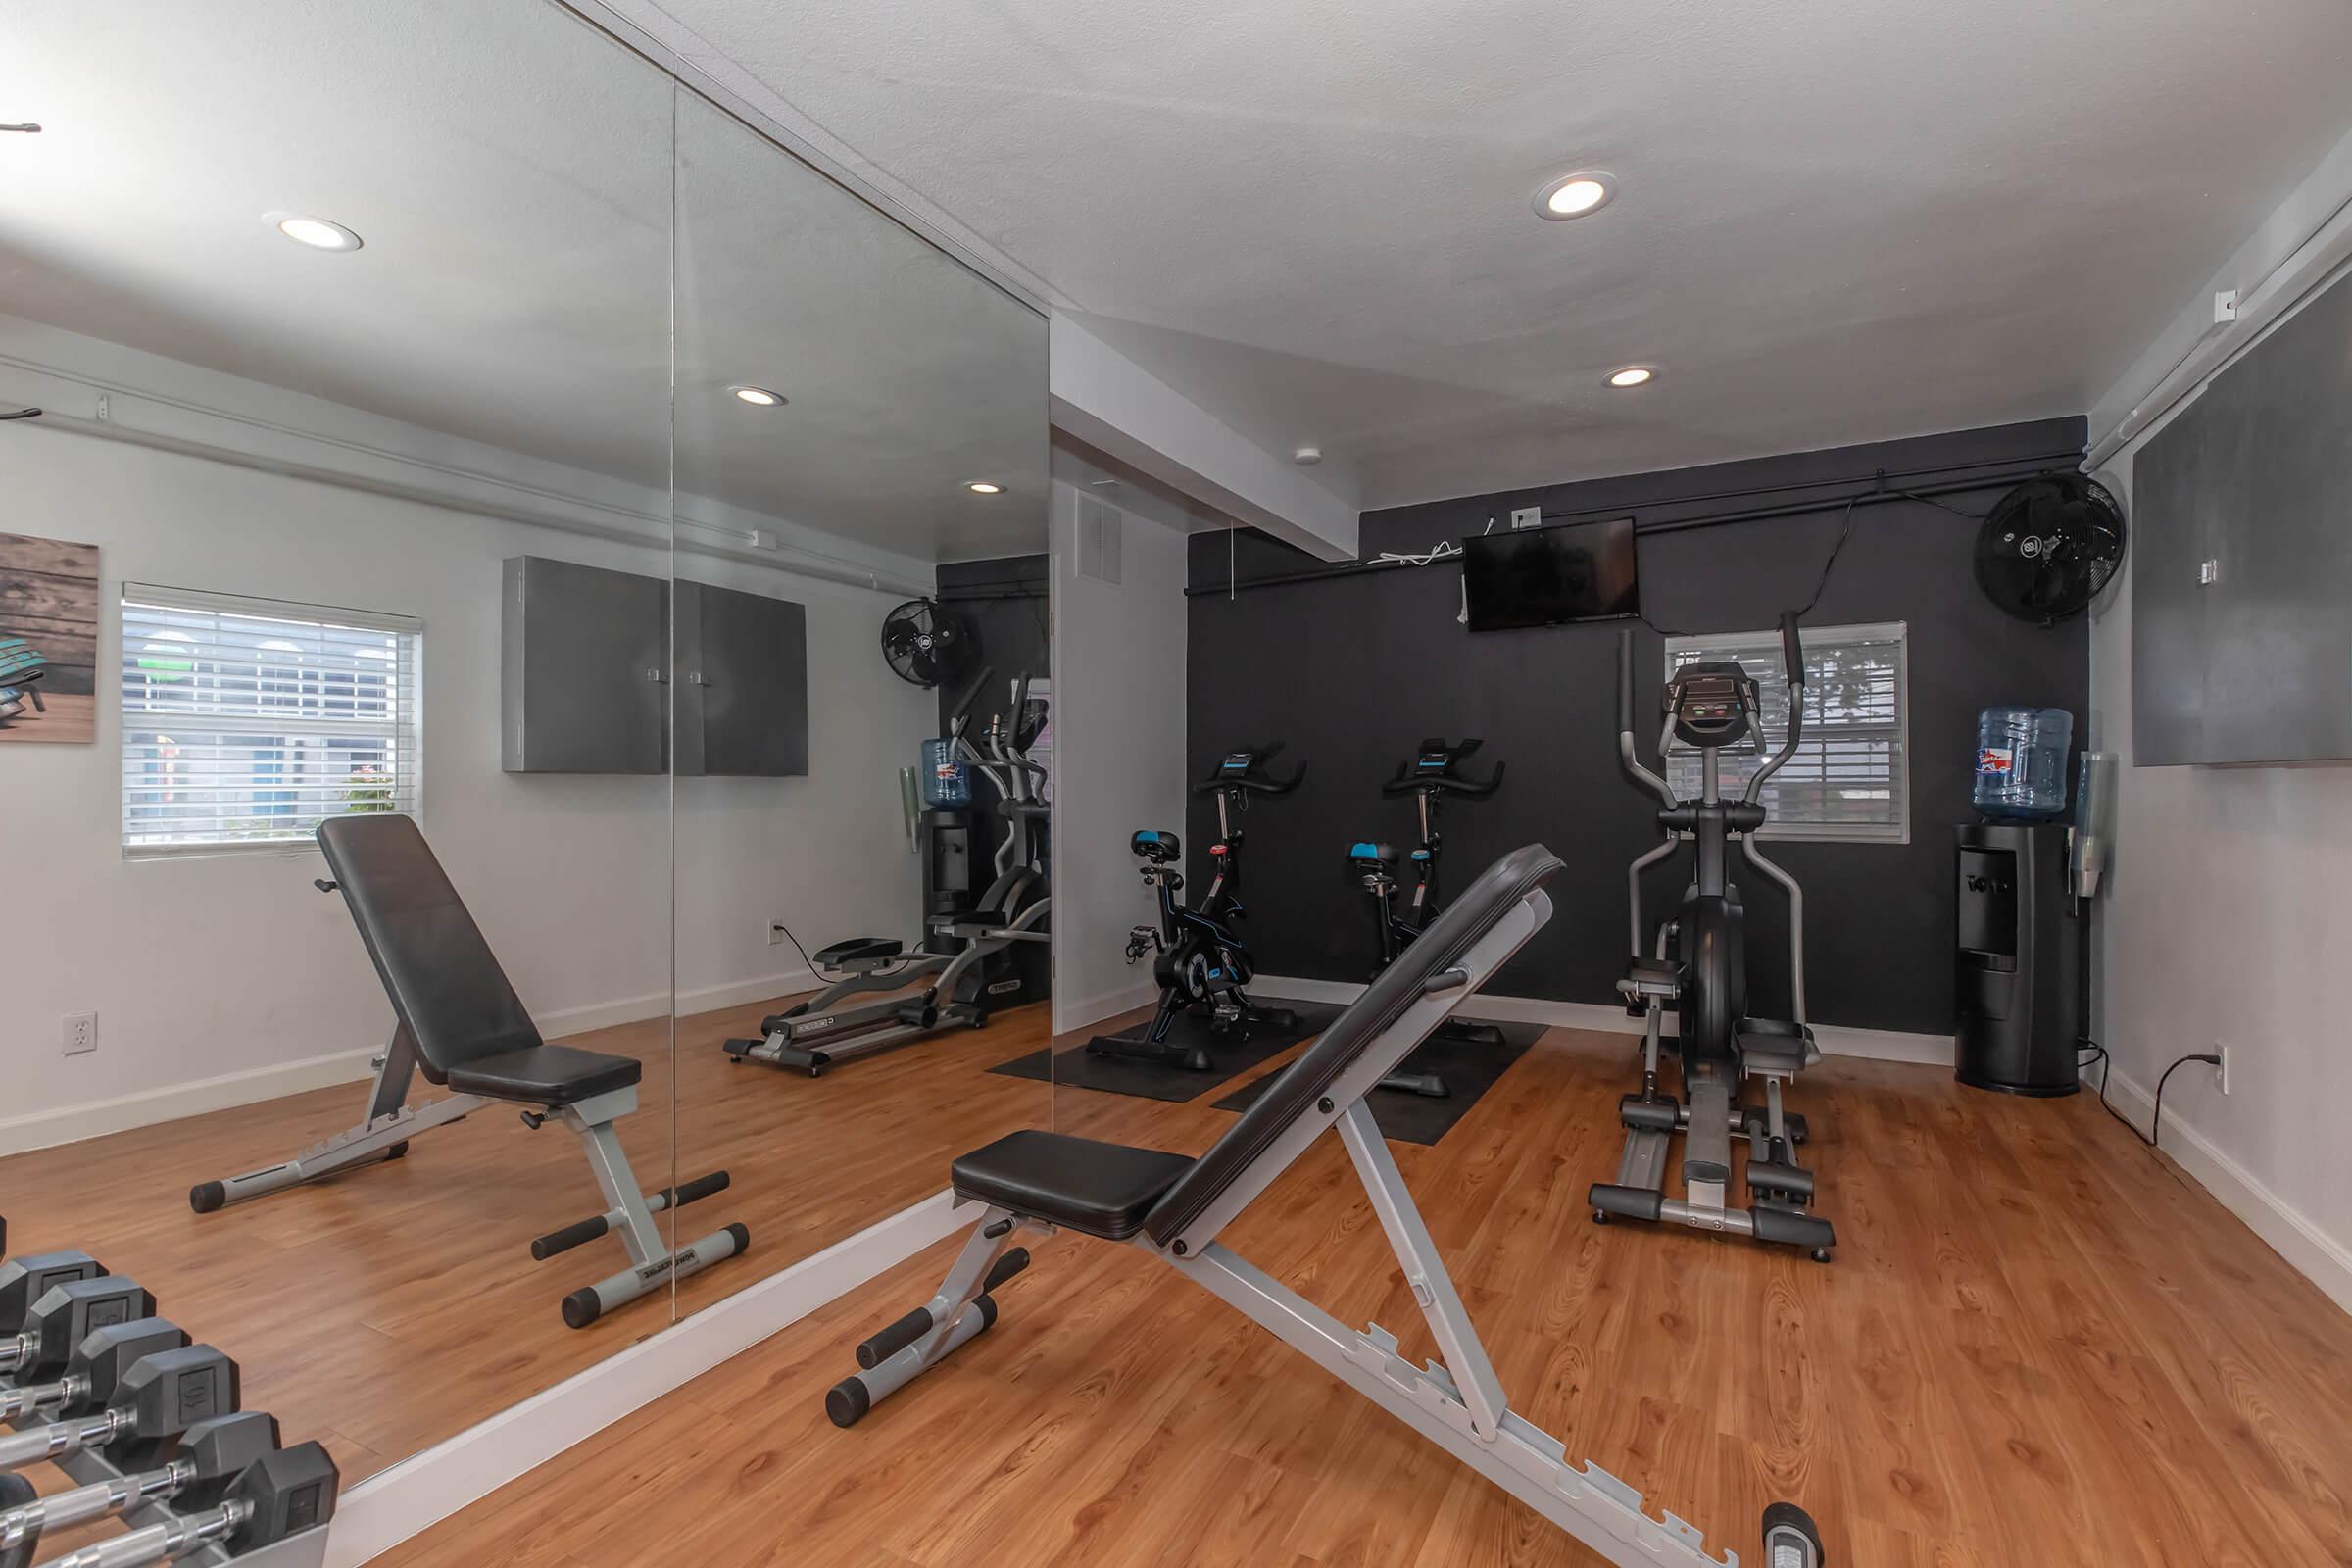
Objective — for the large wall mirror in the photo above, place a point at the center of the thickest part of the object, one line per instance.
(863, 796)
(350, 330)
(468, 463)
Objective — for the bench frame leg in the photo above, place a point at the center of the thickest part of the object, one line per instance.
(960, 1310)
(390, 1123)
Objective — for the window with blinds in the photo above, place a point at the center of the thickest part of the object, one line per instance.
(1852, 779)
(246, 723)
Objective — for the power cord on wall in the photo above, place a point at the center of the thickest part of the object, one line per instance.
(2107, 1070)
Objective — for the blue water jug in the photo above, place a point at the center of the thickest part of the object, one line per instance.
(947, 783)
(2021, 761)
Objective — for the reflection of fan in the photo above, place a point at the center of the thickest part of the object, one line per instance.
(925, 643)
(2049, 546)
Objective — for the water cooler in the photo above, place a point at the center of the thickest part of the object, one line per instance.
(2020, 953)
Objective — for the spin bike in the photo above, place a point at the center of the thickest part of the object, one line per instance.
(1198, 961)
(1433, 773)
(958, 984)
(1699, 966)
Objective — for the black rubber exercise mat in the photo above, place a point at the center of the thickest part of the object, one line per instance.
(1469, 1073)
(1078, 1068)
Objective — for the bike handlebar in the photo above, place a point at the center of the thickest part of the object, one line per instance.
(1256, 780)
(1408, 782)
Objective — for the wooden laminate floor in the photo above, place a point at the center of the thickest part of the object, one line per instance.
(396, 1305)
(2038, 1344)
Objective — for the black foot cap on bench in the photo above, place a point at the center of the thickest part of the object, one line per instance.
(205, 1197)
(847, 1401)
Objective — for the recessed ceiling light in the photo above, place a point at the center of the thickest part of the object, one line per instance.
(1632, 375)
(759, 397)
(316, 232)
(984, 487)
(1573, 195)
(1308, 457)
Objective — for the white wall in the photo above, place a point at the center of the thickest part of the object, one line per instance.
(2227, 918)
(201, 969)
(1118, 747)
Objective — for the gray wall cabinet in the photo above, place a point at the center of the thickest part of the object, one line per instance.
(2241, 633)
(588, 674)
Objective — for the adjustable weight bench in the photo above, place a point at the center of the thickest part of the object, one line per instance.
(1175, 1207)
(460, 1024)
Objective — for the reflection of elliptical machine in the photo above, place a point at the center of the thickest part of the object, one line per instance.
(1201, 962)
(1700, 966)
(978, 967)
(19, 667)
(1433, 773)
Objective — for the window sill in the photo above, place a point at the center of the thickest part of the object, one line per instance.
(275, 849)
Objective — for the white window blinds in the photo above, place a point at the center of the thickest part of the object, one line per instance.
(1851, 779)
(246, 723)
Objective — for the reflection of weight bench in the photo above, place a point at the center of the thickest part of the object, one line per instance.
(19, 667)
(462, 1025)
(1176, 1209)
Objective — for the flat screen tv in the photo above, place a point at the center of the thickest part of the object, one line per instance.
(1546, 576)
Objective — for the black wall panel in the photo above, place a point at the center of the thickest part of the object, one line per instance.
(1350, 672)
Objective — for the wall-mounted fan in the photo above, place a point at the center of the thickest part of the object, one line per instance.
(925, 643)
(2049, 546)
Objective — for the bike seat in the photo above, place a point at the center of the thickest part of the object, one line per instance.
(857, 948)
(1365, 856)
(1156, 845)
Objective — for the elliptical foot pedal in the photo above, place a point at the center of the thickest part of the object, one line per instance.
(1628, 1202)
(1651, 1113)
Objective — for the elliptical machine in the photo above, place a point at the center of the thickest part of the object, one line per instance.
(967, 965)
(1200, 963)
(1699, 966)
(1433, 773)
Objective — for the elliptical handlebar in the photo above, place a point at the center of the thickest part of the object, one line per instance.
(961, 712)
(1626, 757)
(1792, 673)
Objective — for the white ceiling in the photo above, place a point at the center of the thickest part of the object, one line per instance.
(512, 172)
(1840, 219)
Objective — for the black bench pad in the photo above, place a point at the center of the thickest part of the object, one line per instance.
(546, 1075)
(1096, 1189)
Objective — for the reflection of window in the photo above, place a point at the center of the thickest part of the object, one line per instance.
(248, 722)
(1852, 779)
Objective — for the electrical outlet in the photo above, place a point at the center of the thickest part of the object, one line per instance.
(2221, 1074)
(775, 933)
(1526, 517)
(80, 1033)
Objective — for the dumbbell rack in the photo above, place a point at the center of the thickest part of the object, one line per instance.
(306, 1550)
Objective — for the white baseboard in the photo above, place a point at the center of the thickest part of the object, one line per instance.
(70, 1124)
(1837, 1040)
(389, 1508)
(2312, 1252)
(148, 1108)
(567, 1021)
(1073, 1013)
